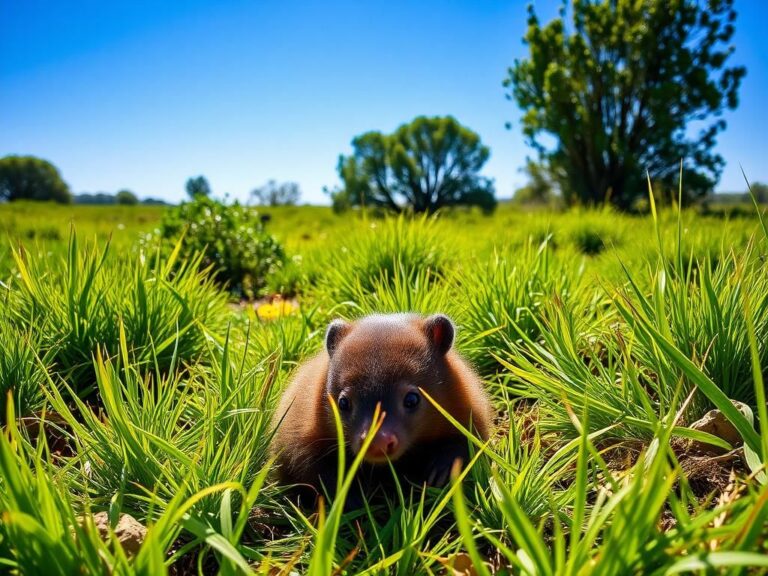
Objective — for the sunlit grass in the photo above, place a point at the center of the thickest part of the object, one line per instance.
(602, 337)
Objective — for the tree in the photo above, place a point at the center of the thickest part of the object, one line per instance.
(274, 194)
(198, 187)
(31, 178)
(425, 165)
(759, 191)
(539, 189)
(619, 91)
(99, 198)
(126, 197)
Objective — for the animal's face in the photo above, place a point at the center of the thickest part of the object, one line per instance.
(384, 360)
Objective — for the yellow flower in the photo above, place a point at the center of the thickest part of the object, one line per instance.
(274, 310)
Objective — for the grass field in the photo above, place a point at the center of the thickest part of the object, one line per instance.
(137, 386)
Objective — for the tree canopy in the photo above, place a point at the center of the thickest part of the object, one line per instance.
(277, 194)
(539, 189)
(425, 165)
(619, 90)
(126, 197)
(760, 191)
(198, 186)
(31, 178)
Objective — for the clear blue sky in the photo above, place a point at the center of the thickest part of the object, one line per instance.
(143, 94)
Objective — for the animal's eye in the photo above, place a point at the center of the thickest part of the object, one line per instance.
(344, 403)
(411, 400)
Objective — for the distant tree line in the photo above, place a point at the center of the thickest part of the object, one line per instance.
(272, 193)
(32, 178)
(123, 197)
(757, 189)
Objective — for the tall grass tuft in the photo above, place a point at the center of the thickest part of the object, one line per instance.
(701, 313)
(615, 526)
(506, 299)
(385, 251)
(22, 373)
(41, 531)
(164, 434)
(168, 309)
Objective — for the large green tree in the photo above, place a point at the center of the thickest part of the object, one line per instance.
(31, 178)
(621, 89)
(427, 164)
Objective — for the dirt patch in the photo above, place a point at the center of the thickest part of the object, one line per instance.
(52, 428)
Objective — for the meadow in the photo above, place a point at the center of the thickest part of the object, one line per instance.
(134, 384)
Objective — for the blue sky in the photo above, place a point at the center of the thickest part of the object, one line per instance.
(144, 94)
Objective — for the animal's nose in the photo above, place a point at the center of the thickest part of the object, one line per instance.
(383, 444)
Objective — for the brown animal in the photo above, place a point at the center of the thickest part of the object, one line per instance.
(380, 359)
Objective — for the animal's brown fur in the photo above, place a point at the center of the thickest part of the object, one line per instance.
(379, 359)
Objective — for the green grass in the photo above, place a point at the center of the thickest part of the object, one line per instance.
(43, 228)
(78, 306)
(131, 386)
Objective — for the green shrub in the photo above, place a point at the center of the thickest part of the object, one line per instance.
(592, 233)
(42, 233)
(231, 238)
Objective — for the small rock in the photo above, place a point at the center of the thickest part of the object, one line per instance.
(714, 422)
(129, 531)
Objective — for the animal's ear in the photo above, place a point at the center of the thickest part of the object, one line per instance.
(440, 332)
(333, 335)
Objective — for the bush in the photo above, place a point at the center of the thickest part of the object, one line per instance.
(231, 239)
(126, 197)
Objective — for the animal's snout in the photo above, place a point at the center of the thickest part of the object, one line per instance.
(384, 445)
